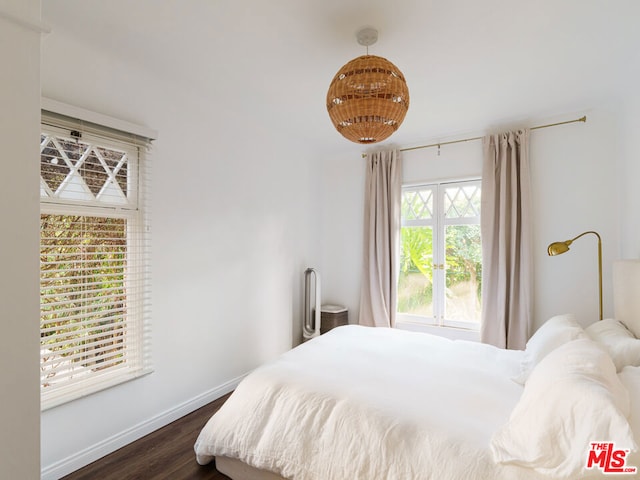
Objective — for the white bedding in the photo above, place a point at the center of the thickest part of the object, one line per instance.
(309, 414)
(374, 404)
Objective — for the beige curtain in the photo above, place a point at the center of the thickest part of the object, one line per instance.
(383, 189)
(506, 240)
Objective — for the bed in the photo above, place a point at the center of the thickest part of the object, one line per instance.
(371, 403)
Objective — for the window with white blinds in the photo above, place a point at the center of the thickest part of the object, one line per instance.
(94, 247)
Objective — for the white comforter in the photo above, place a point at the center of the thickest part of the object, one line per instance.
(367, 403)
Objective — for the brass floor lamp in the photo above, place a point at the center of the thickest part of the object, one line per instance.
(558, 248)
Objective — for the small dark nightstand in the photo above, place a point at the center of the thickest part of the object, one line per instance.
(332, 316)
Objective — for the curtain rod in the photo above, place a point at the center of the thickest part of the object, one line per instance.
(581, 119)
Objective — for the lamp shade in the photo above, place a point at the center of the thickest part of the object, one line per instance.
(558, 248)
(368, 99)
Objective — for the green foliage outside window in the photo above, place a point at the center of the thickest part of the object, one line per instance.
(463, 267)
(415, 282)
(83, 261)
(464, 255)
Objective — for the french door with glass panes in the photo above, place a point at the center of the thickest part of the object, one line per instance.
(440, 278)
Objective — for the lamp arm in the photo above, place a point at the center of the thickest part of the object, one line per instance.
(600, 271)
(599, 264)
(584, 233)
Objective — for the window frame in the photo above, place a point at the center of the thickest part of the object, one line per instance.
(136, 214)
(438, 222)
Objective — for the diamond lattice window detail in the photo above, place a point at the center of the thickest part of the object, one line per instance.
(417, 204)
(462, 202)
(76, 170)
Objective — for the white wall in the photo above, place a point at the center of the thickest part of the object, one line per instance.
(574, 187)
(629, 177)
(232, 232)
(19, 209)
(342, 199)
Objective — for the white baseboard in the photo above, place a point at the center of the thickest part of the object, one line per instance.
(94, 452)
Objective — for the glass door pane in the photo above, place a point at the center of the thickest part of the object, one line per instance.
(464, 273)
(415, 281)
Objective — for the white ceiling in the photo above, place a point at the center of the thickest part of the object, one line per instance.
(469, 64)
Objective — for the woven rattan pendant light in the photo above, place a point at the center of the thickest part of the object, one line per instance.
(368, 98)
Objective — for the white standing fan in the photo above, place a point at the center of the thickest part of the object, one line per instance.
(311, 313)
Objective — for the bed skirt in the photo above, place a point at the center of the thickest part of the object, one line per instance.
(238, 470)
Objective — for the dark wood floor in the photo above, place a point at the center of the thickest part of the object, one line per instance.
(164, 454)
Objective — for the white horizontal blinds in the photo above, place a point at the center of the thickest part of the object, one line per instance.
(94, 264)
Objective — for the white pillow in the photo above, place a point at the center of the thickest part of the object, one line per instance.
(630, 378)
(622, 345)
(572, 398)
(554, 332)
